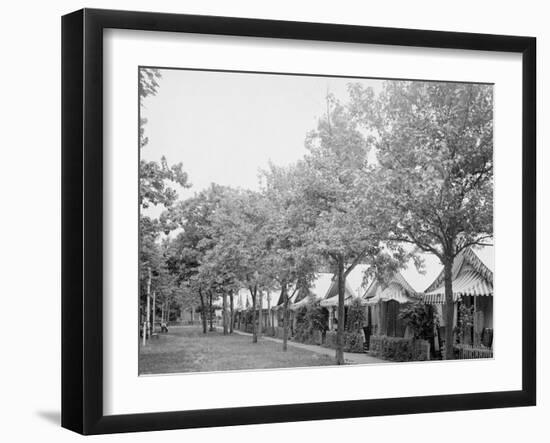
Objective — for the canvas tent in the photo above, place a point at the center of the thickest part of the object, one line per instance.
(471, 277)
(472, 283)
(385, 301)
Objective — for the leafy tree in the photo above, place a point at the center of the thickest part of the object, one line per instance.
(192, 246)
(291, 260)
(156, 187)
(335, 191)
(434, 145)
(237, 230)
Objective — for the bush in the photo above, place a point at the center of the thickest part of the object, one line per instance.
(420, 319)
(311, 323)
(465, 322)
(353, 341)
(398, 348)
(356, 316)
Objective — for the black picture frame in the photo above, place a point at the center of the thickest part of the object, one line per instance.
(82, 219)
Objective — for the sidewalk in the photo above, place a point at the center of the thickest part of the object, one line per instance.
(349, 357)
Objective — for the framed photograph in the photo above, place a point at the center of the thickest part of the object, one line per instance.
(269, 221)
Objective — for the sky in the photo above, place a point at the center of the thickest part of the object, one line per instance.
(224, 127)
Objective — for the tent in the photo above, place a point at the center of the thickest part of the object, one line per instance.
(384, 301)
(471, 277)
(472, 283)
(396, 288)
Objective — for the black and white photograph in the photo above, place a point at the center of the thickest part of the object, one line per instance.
(294, 221)
(277, 221)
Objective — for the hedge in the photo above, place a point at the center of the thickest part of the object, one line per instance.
(398, 348)
(311, 337)
(353, 341)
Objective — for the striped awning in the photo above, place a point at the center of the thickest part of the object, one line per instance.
(466, 284)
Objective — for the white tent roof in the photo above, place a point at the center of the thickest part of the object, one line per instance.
(397, 288)
(472, 275)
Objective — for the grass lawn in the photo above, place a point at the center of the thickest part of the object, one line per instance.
(189, 350)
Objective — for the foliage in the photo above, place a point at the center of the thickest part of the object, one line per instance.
(311, 323)
(156, 187)
(303, 328)
(248, 319)
(398, 348)
(153, 188)
(148, 81)
(465, 321)
(352, 341)
(356, 316)
(332, 187)
(317, 317)
(419, 317)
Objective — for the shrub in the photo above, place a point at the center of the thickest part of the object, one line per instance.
(353, 341)
(311, 323)
(398, 348)
(420, 319)
(465, 322)
(356, 316)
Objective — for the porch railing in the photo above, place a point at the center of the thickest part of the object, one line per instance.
(466, 352)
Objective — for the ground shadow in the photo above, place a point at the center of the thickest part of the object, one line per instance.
(54, 417)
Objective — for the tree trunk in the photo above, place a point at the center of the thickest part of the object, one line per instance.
(285, 317)
(260, 314)
(224, 315)
(341, 312)
(231, 312)
(148, 312)
(269, 322)
(210, 311)
(449, 309)
(254, 329)
(146, 318)
(154, 313)
(203, 311)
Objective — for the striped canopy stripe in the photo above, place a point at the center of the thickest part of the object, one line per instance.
(467, 284)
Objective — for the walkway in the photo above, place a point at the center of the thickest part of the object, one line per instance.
(349, 357)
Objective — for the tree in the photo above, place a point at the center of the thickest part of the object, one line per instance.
(335, 192)
(434, 144)
(153, 187)
(192, 256)
(156, 187)
(237, 230)
(291, 260)
(218, 275)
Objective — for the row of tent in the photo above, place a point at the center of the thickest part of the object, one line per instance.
(472, 276)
